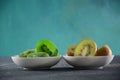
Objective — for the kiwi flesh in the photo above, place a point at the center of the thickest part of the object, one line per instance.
(86, 47)
(37, 54)
(27, 52)
(48, 47)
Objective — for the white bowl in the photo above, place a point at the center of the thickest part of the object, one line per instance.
(38, 62)
(88, 61)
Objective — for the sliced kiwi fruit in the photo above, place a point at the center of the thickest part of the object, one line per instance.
(37, 54)
(48, 47)
(86, 47)
(27, 52)
(70, 50)
(104, 51)
(42, 54)
(32, 55)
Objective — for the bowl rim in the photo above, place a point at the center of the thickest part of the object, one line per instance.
(17, 56)
(87, 56)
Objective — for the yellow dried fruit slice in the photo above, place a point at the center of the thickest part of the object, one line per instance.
(86, 47)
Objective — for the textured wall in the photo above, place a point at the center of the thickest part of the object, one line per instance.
(65, 22)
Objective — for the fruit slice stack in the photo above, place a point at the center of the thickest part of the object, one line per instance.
(88, 47)
(44, 48)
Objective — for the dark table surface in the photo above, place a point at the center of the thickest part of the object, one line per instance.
(61, 71)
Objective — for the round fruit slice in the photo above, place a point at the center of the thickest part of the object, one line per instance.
(38, 54)
(48, 47)
(42, 54)
(104, 51)
(70, 50)
(86, 47)
(26, 52)
(32, 55)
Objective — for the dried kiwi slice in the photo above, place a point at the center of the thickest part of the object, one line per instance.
(70, 50)
(38, 54)
(27, 52)
(42, 54)
(48, 47)
(86, 47)
(32, 55)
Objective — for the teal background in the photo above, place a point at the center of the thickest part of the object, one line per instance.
(65, 22)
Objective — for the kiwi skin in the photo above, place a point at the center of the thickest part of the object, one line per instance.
(104, 51)
(70, 54)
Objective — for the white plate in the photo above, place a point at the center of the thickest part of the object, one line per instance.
(38, 62)
(88, 61)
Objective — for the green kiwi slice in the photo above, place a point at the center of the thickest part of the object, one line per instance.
(27, 52)
(48, 47)
(86, 47)
(38, 54)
